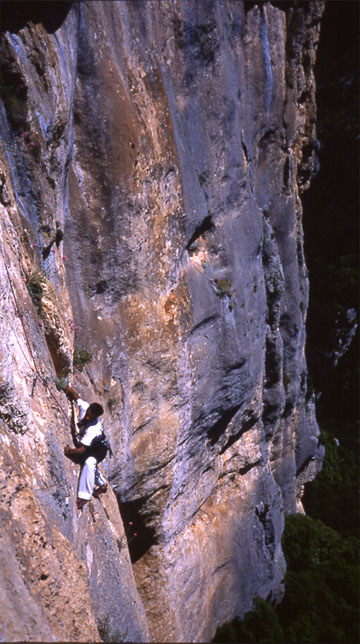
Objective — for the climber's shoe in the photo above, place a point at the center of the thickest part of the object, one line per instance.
(100, 490)
(80, 503)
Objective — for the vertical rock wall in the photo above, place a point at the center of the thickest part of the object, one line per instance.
(153, 157)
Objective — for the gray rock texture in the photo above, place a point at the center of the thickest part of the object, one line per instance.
(152, 162)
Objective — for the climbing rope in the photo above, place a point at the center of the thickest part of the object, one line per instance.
(38, 374)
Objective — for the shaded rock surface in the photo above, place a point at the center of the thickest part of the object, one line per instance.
(152, 161)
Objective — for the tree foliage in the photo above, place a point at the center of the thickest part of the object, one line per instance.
(321, 591)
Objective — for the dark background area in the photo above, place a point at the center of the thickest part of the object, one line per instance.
(331, 246)
(14, 14)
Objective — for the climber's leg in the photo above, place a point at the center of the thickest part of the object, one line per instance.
(87, 480)
(99, 481)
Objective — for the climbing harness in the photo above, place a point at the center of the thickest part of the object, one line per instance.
(99, 447)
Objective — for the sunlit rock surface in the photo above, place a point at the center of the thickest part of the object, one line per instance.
(152, 160)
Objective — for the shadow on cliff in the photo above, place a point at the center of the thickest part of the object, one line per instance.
(15, 15)
(140, 536)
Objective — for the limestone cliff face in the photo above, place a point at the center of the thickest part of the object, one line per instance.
(152, 162)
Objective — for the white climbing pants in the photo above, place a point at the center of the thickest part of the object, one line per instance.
(89, 475)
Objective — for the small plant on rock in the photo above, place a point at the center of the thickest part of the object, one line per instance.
(35, 284)
(111, 403)
(286, 380)
(127, 538)
(203, 178)
(106, 634)
(61, 383)
(59, 236)
(81, 358)
(223, 288)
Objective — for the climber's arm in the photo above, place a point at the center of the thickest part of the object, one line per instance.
(74, 451)
(72, 393)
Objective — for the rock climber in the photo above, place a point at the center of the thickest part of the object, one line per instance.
(89, 450)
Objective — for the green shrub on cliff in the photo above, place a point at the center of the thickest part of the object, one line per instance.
(81, 358)
(321, 591)
(260, 625)
(321, 585)
(35, 284)
(337, 482)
